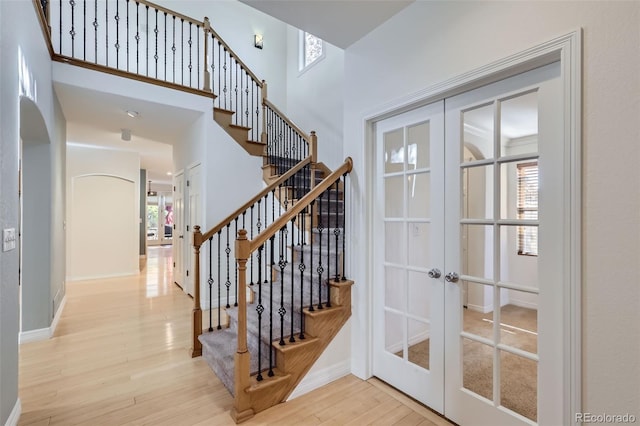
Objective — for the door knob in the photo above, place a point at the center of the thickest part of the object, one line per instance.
(451, 277)
(434, 273)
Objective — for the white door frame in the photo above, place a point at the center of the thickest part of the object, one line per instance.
(567, 50)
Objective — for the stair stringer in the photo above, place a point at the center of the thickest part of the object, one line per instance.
(294, 360)
(239, 133)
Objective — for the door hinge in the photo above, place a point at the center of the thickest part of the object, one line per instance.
(187, 228)
(187, 272)
(174, 264)
(188, 183)
(174, 188)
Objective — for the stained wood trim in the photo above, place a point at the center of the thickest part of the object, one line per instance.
(44, 26)
(210, 233)
(171, 12)
(270, 230)
(286, 120)
(96, 67)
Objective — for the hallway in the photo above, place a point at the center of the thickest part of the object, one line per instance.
(120, 356)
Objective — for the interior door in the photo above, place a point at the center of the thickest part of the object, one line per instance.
(178, 229)
(469, 253)
(409, 292)
(194, 218)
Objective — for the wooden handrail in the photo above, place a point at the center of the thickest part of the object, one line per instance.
(237, 58)
(210, 233)
(286, 119)
(44, 25)
(171, 12)
(271, 230)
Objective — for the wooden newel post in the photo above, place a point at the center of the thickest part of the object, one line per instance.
(242, 403)
(207, 75)
(263, 135)
(196, 349)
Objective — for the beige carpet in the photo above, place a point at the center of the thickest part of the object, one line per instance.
(518, 379)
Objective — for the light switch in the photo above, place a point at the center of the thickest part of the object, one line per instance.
(9, 239)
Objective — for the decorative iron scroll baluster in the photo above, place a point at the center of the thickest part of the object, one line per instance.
(60, 29)
(165, 46)
(302, 267)
(72, 33)
(190, 42)
(282, 263)
(251, 222)
(336, 231)
(137, 38)
(259, 310)
(84, 29)
(106, 34)
(311, 308)
(293, 281)
(210, 282)
(228, 251)
(155, 56)
(272, 245)
(95, 31)
(181, 51)
(146, 44)
(236, 92)
(117, 45)
(327, 213)
(344, 223)
(198, 55)
(320, 269)
(266, 223)
(219, 280)
(127, 28)
(173, 48)
(236, 269)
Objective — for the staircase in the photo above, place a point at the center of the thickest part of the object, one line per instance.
(272, 273)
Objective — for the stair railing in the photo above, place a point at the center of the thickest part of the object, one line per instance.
(282, 319)
(254, 216)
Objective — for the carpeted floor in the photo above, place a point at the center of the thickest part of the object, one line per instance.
(518, 376)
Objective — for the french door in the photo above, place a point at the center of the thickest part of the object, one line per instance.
(468, 219)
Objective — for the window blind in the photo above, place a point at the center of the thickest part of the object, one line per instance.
(527, 207)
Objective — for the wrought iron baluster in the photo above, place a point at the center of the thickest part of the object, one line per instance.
(198, 55)
(336, 229)
(190, 53)
(165, 46)
(210, 282)
(173, 48)
(266, 220)
(117, 45)
(227, 250)
(236, 269)
(260, 310)
(293, 281)
(301, 268)
(146, 43)
(182, 51)
(251, 234)
(156, 31)
(60, 29)
(328, 216)
(137, 38)
(344, 223)
(106, 36)
(320, 268)
(219, 280)
(272, 245)
(84, 29)
(282, 263)
(127, 28)
(311, 308)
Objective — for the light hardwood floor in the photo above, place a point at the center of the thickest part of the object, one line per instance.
(120, 357)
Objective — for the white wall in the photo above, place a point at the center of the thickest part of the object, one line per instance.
(25, 70)
(431, 42)
(103, 212)
(315, 97)
(237, 23)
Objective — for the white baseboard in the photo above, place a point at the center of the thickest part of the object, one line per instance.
(15, 414)
(43, 333)
(104, 277)
(320, 378)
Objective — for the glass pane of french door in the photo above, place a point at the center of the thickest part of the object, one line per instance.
(409, 351)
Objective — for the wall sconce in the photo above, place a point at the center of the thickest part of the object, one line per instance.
(257, 41)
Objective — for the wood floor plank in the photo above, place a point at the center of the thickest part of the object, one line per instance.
(120, 356)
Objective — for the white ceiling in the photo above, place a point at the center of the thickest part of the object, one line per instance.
(97, 118)
(340, 22)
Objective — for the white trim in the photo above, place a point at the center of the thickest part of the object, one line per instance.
(14, 416)
(566, 49)
(320, 378)
(103, 277)
(43, 333)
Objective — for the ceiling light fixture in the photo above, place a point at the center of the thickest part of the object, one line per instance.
(169, 173)
(151, 193)
(133, 114)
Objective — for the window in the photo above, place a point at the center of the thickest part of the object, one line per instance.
(312, 49)
(527, 206)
